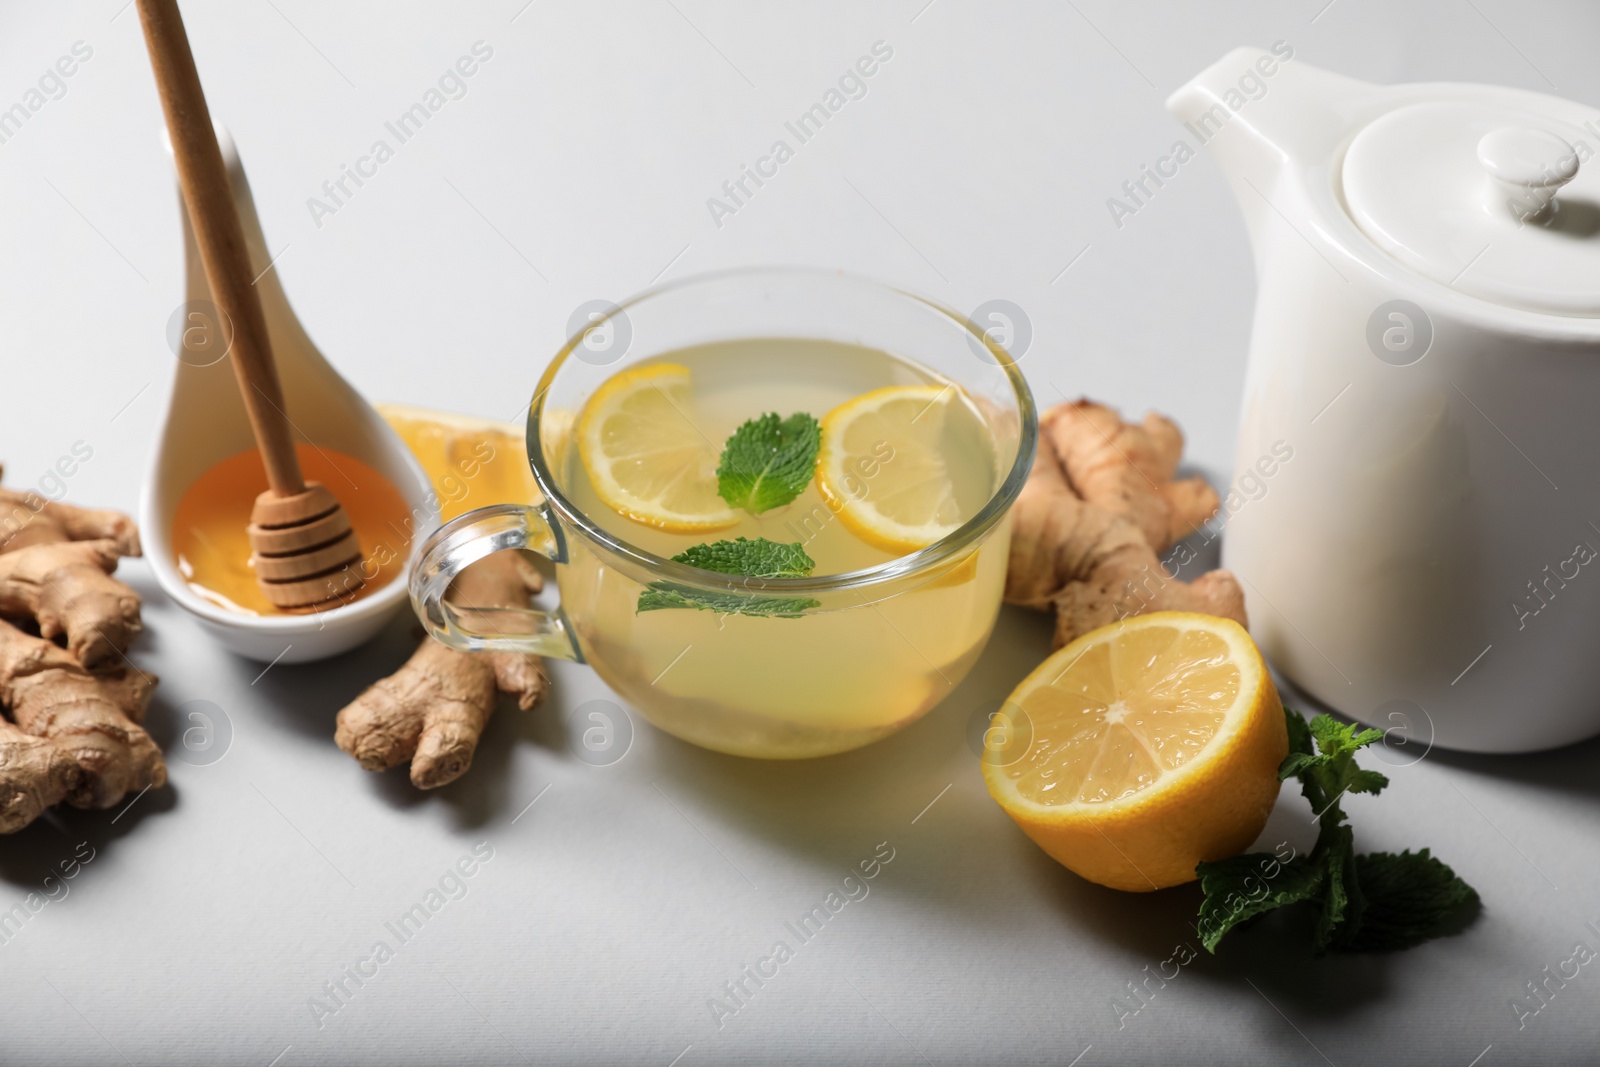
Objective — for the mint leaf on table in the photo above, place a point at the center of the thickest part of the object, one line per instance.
(1411, 898)
(768, 461)
(1239, 889)
(1374, 903)
(749, 557)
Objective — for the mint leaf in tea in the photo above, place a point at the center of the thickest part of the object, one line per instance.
(768, 461)
(749, 557)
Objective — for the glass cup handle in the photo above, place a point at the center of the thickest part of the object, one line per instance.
(463, 541)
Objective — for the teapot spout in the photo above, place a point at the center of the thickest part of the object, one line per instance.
(1261, 115)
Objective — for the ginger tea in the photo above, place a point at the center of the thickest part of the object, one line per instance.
(905, 457)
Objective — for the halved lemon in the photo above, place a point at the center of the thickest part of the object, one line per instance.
(646, 458)
(471, 461)
(1142, 748)
(882, 466)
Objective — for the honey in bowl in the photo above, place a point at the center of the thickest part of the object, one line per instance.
(212, 547)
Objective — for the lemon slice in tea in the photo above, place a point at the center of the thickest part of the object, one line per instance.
(910, 499)
(646, 458)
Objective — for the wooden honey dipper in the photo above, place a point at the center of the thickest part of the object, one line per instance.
(300, 537)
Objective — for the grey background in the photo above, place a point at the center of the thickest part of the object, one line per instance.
(577, 168)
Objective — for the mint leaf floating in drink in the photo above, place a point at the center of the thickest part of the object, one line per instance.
(753, 558)
(1378, 902)
(747, 557)
(768, 461)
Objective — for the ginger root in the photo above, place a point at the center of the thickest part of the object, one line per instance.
(34, 775)
(1098, 507)
(1128, 469)
(47, 522)
(93, 717)
(433, 709)
(67, 588)
(74, 733)
(56, 562)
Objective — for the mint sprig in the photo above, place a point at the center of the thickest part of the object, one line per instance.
(768, 461)
(1378, 902)
(749, 557)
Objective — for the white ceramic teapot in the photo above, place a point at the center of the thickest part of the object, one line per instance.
(1426, 352)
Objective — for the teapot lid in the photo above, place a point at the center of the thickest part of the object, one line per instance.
(1499, 202)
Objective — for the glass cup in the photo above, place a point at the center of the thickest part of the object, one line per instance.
(872, 650)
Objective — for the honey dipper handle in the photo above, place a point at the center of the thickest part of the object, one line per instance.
(212, 213)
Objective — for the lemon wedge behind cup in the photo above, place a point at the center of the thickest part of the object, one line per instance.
(472, 462)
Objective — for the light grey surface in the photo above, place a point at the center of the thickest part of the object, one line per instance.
(578, 166)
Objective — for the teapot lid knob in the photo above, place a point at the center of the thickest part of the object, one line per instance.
(1526, 166)
(1463, 190)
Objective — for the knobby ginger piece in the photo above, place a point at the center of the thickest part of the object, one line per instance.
(56, 562)
(1127, 469)
(1094, 560)
(433, 710)
(34, 775)
(74, 733)
(28, 519)
(1129, 587)
(67, 588)
(92, 717)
